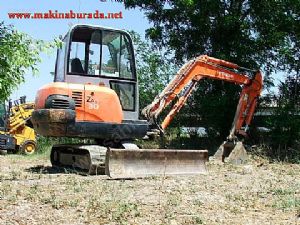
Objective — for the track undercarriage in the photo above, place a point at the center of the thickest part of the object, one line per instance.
(89, 159)
(128, 163)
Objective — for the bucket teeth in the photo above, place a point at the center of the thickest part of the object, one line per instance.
(238, 154)
(234, 153)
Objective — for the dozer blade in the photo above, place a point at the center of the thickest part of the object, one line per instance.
(127, 163)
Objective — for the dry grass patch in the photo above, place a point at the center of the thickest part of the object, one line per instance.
(256, 193)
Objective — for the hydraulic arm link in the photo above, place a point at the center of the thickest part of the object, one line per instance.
(179, 104)
(191, 73)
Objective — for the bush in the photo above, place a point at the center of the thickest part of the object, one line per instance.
(283, 140)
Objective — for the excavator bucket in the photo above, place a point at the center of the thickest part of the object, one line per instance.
(127, 163)
(234, 153)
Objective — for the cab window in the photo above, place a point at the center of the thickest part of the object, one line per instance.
(60, 62)
(94, 54)
(110, 54)
(101, 53)
(126, 59)
(77, 58)
(126, 93)
(2, 115)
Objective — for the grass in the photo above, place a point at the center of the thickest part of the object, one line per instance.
(257, 193)
(287, 199)
(204, 199)
(288, 203)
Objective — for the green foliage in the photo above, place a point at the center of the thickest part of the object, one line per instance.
(19, 54)
(251, 32)
(154, 69)
(44, 145)
(254, 34)
(213, 105)
(285, 124)
(282, 142)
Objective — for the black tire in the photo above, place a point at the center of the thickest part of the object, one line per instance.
(28, 147)
(3, 152)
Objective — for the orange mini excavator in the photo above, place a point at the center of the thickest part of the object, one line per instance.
(95, 95)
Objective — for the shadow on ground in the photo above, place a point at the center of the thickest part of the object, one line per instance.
(40, 169)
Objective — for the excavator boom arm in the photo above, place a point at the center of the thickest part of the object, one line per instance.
(208, 67)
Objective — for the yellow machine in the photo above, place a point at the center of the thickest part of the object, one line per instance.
(17, 133)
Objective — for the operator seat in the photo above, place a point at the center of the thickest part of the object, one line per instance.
(76, 66)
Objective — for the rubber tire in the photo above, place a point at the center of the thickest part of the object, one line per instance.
(25, 144)
(3, 152)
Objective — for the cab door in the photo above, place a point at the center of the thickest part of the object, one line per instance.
(104, 56)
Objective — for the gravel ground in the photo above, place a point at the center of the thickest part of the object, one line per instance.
(31, 192)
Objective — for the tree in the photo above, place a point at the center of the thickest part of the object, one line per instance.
(285, 124)
(250, 32)
(19, 54)
(154, 69)
(254, 34)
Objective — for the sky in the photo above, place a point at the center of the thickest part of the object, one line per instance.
(48, 29)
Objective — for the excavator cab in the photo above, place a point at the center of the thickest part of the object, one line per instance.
(94, 93)
(100, 56)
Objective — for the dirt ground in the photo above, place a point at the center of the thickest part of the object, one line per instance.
(31, 192)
